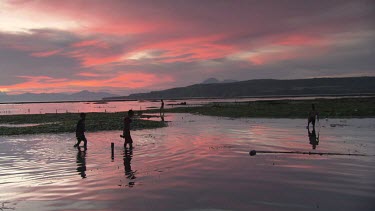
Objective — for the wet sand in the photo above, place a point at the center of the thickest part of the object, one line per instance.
(197, 163)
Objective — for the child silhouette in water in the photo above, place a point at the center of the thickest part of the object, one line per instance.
(126, 133)
(80, 131)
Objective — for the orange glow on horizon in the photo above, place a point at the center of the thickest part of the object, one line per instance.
(45, 84)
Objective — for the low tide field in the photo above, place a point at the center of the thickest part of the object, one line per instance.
(66, 122)
(327, 108)
(206, 153)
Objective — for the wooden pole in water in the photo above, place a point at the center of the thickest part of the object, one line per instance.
(254, 152)
(112, 150)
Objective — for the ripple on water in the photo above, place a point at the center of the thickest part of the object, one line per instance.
(197, 159)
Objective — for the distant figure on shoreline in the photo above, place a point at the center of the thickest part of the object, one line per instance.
(80, 131)
(314, 140)
(162, 108)
(126, 132)
(313, 115)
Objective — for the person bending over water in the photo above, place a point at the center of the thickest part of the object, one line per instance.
(126, 133)
(80, 131)
(313, 115)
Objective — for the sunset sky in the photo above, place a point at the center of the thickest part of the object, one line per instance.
(133, 46)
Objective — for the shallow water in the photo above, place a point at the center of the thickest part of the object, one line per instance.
(117, 106)
(197, 163)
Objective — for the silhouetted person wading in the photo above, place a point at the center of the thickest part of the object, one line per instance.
(313, 115)
(80, 131)
(126, 133)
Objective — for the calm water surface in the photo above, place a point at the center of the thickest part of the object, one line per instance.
(197, 163)
(116, 106)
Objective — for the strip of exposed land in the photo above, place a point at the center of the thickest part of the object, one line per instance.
(66, 122)
(362, 107)
(327, 108)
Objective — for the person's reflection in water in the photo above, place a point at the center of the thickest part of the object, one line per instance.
(313, 138)
(129, 173)
(81, 162)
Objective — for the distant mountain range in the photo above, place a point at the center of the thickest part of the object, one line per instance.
(264, 88)
(53, 97)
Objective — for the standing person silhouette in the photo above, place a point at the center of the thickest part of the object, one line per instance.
(80, 131)
(313, 115)
(162, 108)
(126, 132)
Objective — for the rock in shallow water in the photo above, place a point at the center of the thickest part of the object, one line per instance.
(252, 152)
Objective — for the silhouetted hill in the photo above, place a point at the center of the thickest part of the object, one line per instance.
(214, 81)
(228, 81)
(210, 81)
(51, 97)
(266, 87)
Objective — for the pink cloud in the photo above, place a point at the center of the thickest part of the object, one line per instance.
(89, 61)
(170, 37)
(39, 84)
(186, 49)
(88, 43)
(45, 53)
(89, 58)
(88, 74)
(300, 39)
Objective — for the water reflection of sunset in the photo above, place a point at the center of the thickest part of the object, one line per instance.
(194, 154)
